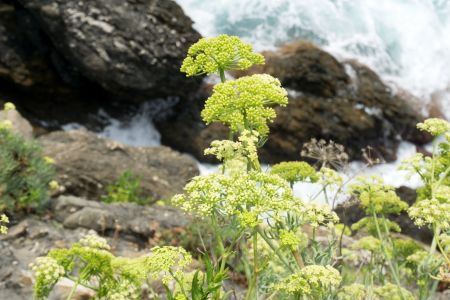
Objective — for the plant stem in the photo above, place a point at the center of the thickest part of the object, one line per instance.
(274, 248)
(391, 266)
(72, 291)
(254, 281)
(222, 75)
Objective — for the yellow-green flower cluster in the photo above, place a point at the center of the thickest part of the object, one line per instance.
(47, 272)
(320, 214)
(431, 212)
(245, 103)
(244, 150)
(6, 124)
(247, 196)
(413, 164)
(295, 171)
(53, 185)
(49, 160)
(222, 53)
(368, 243)
(434, 126)
(8, 106)
(355, 291)
(417, 257)
(376, 197)
(444, 239)
(167, 263)
(289, 239)
(392, 292)
(369, 224)
(124, 290)
(311, 279)
(330, 177)
(3, 221)
(95, 242)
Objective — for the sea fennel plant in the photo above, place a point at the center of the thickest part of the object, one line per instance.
(284, 246)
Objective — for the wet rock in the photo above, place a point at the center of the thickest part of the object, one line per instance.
(86, 164)
(341, 101)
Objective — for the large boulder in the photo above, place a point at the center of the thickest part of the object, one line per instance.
(61, 60)
(341, 101)
(86, 164)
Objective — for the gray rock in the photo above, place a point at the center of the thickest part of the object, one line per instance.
(124, 218)
(86, 164)
(21, 125)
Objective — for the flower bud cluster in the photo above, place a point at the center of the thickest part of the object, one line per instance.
(3, 221)
(312, 278)
(245, 103)
(434, 126)
(431, 212)
(222, 53)
(95, 242)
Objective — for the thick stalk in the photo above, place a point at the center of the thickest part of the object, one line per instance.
(222, 75)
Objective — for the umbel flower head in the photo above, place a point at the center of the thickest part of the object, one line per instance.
(434, 126)
(311, 280)
(47, 272)
(377, 197)
(249, 197)
(295, 171)
(245, 103)
(355, 291)
(431, 212)
(9, 106)
(222, 53)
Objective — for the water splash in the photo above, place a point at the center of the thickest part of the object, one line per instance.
(406, 41)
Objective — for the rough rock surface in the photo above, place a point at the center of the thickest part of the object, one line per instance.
(345, 102)
(35, 236)
(125, 218)
(60, 60)
(86, 164)
(20, 125)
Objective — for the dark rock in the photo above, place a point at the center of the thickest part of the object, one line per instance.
(86, 164)
(62, 60)
(350, 212)
(344, 102)
(125, 46)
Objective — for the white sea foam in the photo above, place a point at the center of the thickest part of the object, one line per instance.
(406, 41)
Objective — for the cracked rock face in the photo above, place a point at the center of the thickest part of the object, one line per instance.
(125, 46)
(86, 164)
(88, 51)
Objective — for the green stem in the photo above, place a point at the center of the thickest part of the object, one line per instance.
(72, 291)
(274, 248)
(222, 75)
(255, 268)
(386, 254)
